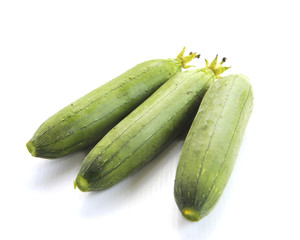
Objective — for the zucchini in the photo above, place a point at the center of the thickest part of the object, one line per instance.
(212, 145)
(85, 121)
(140, 136)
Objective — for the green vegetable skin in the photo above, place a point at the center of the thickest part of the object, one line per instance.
(85, 121)
(212, 145)
(140, 136)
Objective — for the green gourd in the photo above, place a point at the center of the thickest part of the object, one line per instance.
(212, 145)
(145, 132)
(84, 122)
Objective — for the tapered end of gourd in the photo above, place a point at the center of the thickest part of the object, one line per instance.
(191, 214)
(216, 67)
(186, 59)
(31, 148)
(81, 183)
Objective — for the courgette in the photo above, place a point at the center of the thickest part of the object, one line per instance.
(85, 121)
(140, 136)
(212, 145)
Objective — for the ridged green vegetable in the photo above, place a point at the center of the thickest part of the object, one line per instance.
(212, 145)
(85, 121)
(140, 136)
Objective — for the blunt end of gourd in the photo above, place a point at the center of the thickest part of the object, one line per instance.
(191, 214)
(81, 183)
(31, 148)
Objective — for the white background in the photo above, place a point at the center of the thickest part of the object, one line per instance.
(53, 52)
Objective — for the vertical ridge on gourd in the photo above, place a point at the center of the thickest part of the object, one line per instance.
(144, 133)
(87, 120)
(212, 145)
